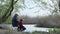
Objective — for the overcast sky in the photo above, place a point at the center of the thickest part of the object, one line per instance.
(31, 12)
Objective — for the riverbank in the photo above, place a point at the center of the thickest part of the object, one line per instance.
(2, 31)
(30, 29)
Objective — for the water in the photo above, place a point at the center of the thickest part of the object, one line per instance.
(32, 28)
(29, 28)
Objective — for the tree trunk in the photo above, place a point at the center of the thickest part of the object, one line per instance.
(58, 1)
(8, 12)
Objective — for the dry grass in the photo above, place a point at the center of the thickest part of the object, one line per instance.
(49, 21)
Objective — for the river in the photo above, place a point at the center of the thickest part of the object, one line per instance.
(29, 27)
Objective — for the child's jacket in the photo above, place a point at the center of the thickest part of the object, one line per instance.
(20, 24)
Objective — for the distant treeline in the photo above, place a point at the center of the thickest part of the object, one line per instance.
(47, 21)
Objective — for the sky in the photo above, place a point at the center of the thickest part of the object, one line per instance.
(35, 11)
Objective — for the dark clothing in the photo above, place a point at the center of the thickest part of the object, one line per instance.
(21, 29)
(14, 21)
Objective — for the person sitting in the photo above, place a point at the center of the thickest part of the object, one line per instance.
(20, 25)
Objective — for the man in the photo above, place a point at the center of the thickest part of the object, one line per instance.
(15, 21)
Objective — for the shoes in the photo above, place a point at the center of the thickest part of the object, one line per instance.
(21, 29)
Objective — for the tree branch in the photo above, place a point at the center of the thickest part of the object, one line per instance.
(8, 10)
(8, 13)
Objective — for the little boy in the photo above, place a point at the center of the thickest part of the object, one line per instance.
(20, 25)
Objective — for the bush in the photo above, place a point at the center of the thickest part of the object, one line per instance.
(55, 30)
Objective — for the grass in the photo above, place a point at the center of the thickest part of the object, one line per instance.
(55, 31)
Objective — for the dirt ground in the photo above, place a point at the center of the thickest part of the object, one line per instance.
(2, 31)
